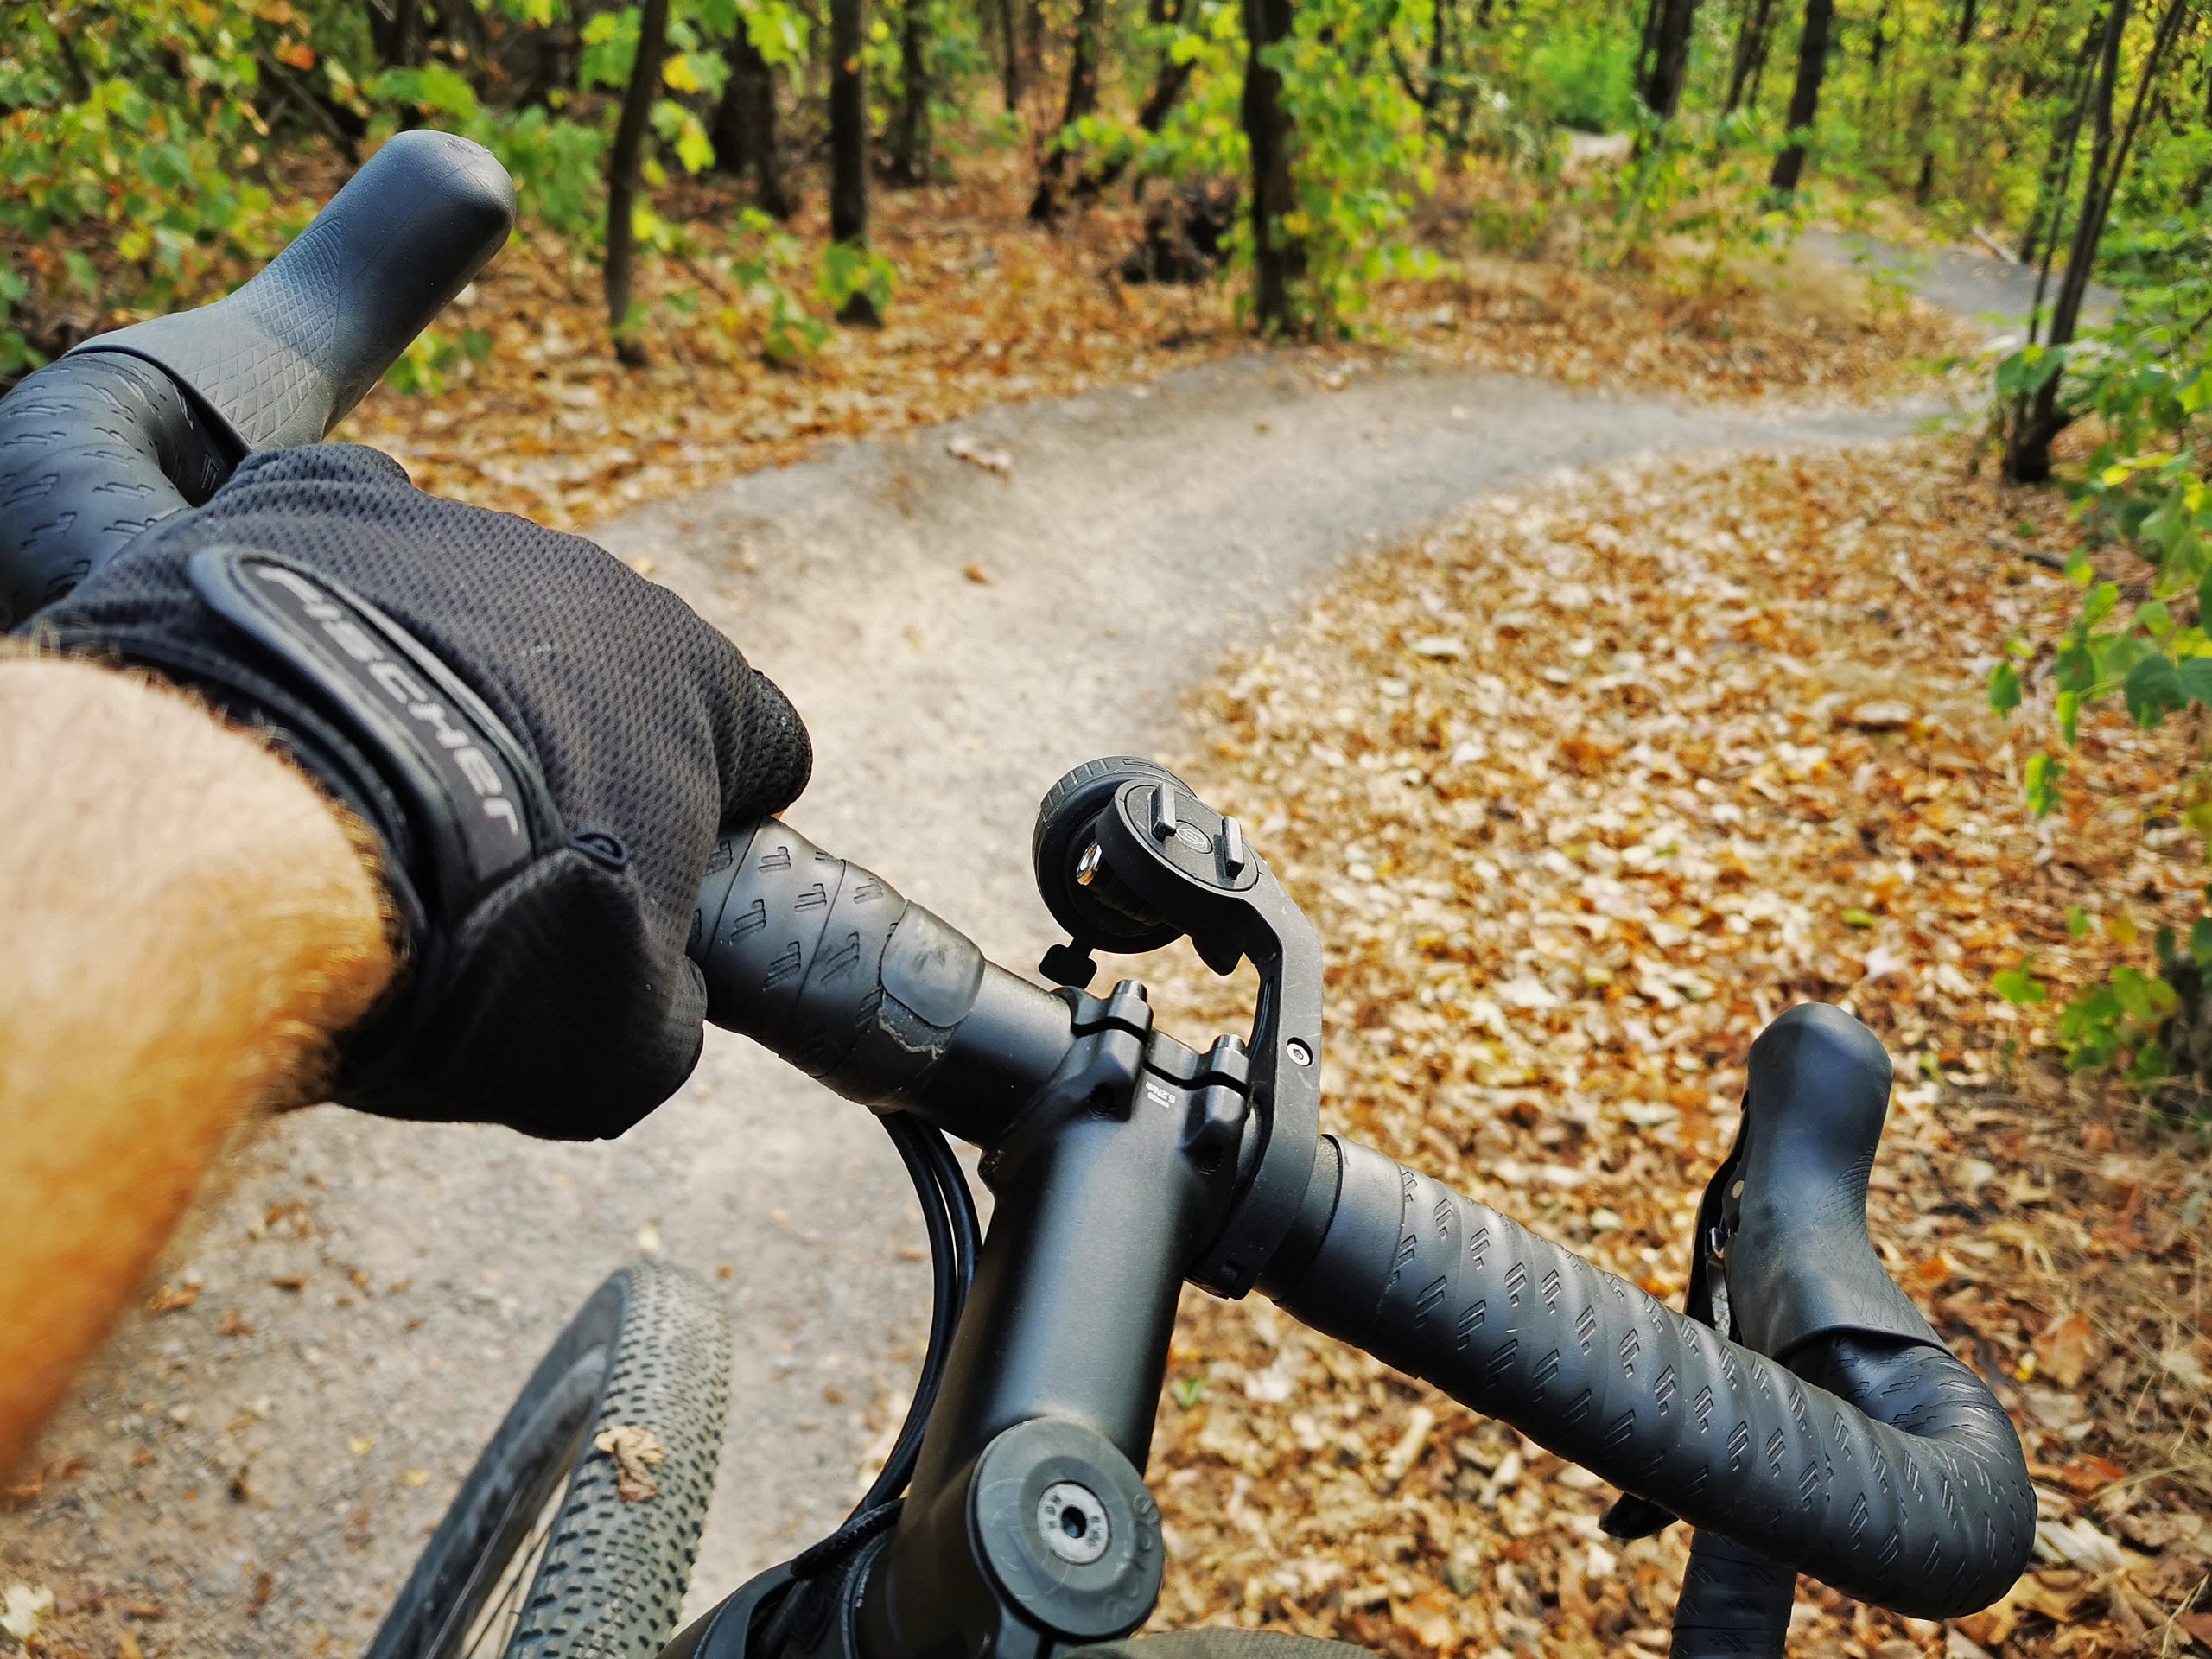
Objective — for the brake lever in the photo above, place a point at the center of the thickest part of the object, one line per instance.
(1704, 1298)
(1129, 858)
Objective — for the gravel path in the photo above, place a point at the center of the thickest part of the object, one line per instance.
(1965, 280)
(387, 1287)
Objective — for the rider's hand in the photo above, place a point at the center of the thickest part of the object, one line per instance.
(545, 743)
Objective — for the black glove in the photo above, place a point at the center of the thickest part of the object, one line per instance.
(545, 742)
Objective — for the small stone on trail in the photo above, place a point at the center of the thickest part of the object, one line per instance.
(1886, 714)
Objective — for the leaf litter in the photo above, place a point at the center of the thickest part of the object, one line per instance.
(1580, 792)
(992, 310)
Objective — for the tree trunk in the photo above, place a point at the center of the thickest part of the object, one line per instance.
(1010, 67)
(1647, 43)
(745, 126)
(1278, 257)
(1750, 53)
(1082, 98)
(622, 177)
(2027, 450)
(1167, 84)
(1805, 97)
(910, 148)
(1033, 36)
(848, 123)
(392, 33)
(2056, 178)
(1669, 62)
(1923, 189)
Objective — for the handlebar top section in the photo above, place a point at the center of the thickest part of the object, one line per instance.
(138, 424)
(282, 360)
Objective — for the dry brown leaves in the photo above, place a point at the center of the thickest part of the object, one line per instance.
(636, 1452)
(1581, 793)
(991, 308)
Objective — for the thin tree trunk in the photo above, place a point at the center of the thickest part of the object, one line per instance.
(2028, 456)
(1010, 67)
(1669, 57)
(849, 140)
(2056, 178)
(1278, 257)
(745, 134)
(622, 177)
(1750, 53)
(1082, 98)
(1923, 189)
(392, 33)
(1647, 44)
(909, 149)
(1167, 84)
(1805, 97)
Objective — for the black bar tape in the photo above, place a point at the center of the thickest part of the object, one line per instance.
(1934, 1518)
(93, 451)
(1734, 1604)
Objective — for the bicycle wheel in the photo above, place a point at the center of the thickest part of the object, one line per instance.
(541, 1556)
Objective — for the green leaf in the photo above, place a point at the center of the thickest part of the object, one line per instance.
(1188, 1390)
(2019, 985)
(693, 148)
(2003, 688)
(2077, 921)
(2152, 691)
(1854, 916)
(2040, 777)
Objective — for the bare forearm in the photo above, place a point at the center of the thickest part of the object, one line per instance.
(187, 925)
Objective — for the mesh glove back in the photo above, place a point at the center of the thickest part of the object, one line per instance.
(545, 742)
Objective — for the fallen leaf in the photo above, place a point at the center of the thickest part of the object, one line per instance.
(2067, 1350)
(636, 1452)
(23, 1608)
(1429, 1619)
(976, 574)
(171, 1299)
(963, 447)
(1420, 1422)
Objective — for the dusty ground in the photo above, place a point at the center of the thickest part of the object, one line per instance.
(252, 1473)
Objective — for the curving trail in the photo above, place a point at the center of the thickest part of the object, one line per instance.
(387, 1287)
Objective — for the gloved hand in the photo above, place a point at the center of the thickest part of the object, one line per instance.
(545, 743)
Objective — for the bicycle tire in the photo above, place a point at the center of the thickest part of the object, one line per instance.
(649, 1351)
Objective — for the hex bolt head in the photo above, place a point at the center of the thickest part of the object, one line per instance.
(1073, 1523)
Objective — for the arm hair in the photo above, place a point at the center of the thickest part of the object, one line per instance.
(185, 923)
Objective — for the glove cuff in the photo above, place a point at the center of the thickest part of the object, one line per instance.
(458, 803)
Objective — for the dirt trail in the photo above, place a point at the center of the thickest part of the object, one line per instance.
(955, 638)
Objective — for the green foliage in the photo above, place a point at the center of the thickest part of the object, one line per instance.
(1362, 155)
(134, 124)
(1584, 79)
(850, 271)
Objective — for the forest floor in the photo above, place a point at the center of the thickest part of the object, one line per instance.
(1581, 791)
(1641, 750)
(992, 309)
